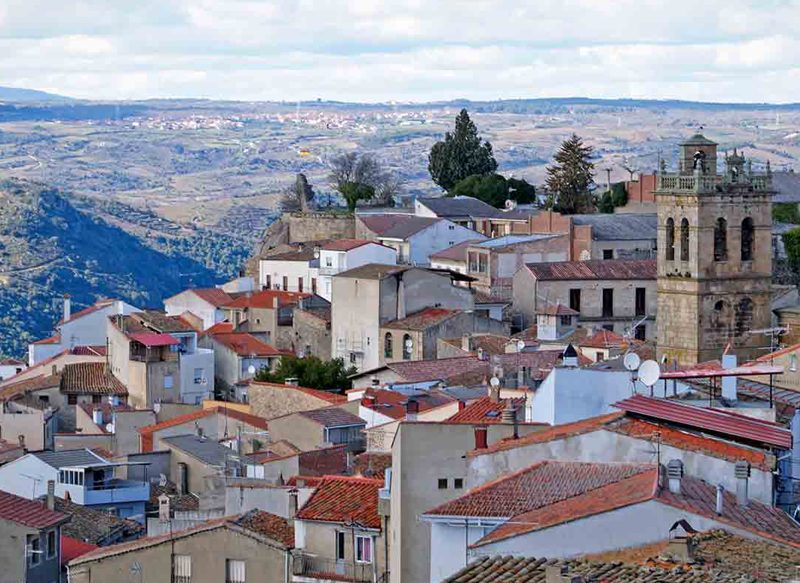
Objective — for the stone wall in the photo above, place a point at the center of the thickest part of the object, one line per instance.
(270, 400)
(312, 334)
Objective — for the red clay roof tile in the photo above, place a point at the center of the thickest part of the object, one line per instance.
(344, 499)
(28, 512)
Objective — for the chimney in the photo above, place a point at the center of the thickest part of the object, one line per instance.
(67, 308)
(559, 574)
(293, 493)
(461, 405)
(570, 356)
(21, 439)
(182, 478)
(675, 475)
(466, 342)
(53, 370)
(97, 417)
(720, 499)
(742, 473)
(292, 382)
(163, 508)
(729, 383)
(481, 437)
(509, 414)
(51, 494)
(494, 392)
(376, 383)
(412, 409)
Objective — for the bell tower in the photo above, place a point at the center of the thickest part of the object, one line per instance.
(714, 255)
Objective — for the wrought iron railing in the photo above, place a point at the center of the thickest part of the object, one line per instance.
(324, 568)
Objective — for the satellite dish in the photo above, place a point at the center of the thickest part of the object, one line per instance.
(520, 345)
(494, 381)
(251, 369)
(110, 427)
(649, 372)
(631, 361)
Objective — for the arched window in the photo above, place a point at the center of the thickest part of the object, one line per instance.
(408, 344)
(388, 350)
(747, 239)
(685, 240)
(720, 318)
(744, 316)
(721, 240)
(670, 233)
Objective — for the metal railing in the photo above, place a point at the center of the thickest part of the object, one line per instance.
(321, 568)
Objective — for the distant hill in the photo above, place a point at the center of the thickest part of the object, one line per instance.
(20, 95)
(48, 247)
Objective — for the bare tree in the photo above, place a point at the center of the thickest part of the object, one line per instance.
(363, 174)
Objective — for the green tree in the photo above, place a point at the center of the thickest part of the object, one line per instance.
(613, 198)
(570, 177)
(494, 189)
(785, 212)
(352, 192)
(362, 177)
(312, 372)
(791, 241)
(460, 154)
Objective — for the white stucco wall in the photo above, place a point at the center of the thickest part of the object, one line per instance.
(344, 260)
(27, 477)
(192, 392)
(438, 236)
(292, 270)
(448, 548)
(188, 301)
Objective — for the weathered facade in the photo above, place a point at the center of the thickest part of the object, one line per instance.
(715, 255)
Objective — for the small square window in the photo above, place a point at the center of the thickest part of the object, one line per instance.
(443, 483)
(97, 399)
(458, 483)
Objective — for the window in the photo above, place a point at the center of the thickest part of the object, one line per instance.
(608, 254)
(575, 299)
(70, 477)
(34, 548)
(639, 332)
(684, 240)
(599, 356)
(609, 327)
(182, 569)
(339, 546)
(353, 359)
(328, 261)
(267, 282)
(97, 399)
(44, 399)
(608, 303)
(168, 381)
(313, 285)
(285, 283)
(199, 376)
(721, 240)
(566, 320)
(747, 239)
(52, 547)
(300, 284)
(388, 350)
(458, 483)
(670, 239)
(640, 301)
(408, 345)
(363, 549)
(234, 571)
(442, 483)
(451, 227)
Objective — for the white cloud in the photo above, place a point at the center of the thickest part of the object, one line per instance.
(403, 49)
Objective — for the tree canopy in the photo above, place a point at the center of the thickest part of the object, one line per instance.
(312, 372)
(362, 177)
(570, 177)
(613, 198)
(494, 189)
(461, 154)
(299, 196)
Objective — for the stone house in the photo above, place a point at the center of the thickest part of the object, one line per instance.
(414, 238)
(270, 400)
(255, 545)
(30, 539)
(339, 530)
(611, 294)
(473, 214)
(238, 356)
(312, 331)
(369, 296)
(308, 430)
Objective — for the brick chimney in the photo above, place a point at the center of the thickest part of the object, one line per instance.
(412, 409)
(742, 473)
(481, 437)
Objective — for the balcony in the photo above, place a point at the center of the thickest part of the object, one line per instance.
(312, 568)
(116, 491)
(330, 270)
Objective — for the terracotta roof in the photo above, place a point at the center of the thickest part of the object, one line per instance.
(396, 226)
(457, 252)
(11, 362)
(18, 388)
(212, 295)
(328, 396)
(89, 351)
(539, 485)
(303, 254)
(603, 269)
(272, 451)
(223, 327)
(393, 404)
(773, 355)
(148, 431)
(266, 299)
(84, 378)
(557, 310)
(155, 320)
(176, 501)
(332, 417)
(245, 344)
(73, 548)
(269, 525)
(86, 311)
(604, 339)
(153, 339)
(31, 513)
(484, 411)
(423, 319)
(55, 339)
(719, 421)
(372, 464)
(414, 371)
(343, 499)
(308, 481)
(346, 244)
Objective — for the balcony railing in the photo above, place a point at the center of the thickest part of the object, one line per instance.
(326, 569)
(708, 183)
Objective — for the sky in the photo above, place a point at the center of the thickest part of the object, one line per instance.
(404, 50)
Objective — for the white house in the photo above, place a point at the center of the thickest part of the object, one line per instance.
(415, 238)
(205, 303)
(84, 328)
(79, 474)
(343, 254)
(10, 367)
(296, 270)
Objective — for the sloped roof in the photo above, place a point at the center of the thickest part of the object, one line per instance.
(208, 451)
(485, 411)
(619, 227)
(90, 378)
(23, 387)
(557, 309)
(604, 339)
(245, 344)
(370, 464)
(270, 525)
(97, 306)
(601, 269)
(460, 207)
(346, 244)
(93, 526)
(374, 271)
(393, 403)
(268, 298)
(212, 295)
(72, 548)
(396, 226)
(332, 417)
(328, 396)
(69, 458)
(31, 513)
(344, 499)
(457, 252)
(423, 319)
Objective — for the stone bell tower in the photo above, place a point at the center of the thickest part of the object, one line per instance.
(714, 255)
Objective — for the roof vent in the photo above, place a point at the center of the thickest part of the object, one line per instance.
(675, 475)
